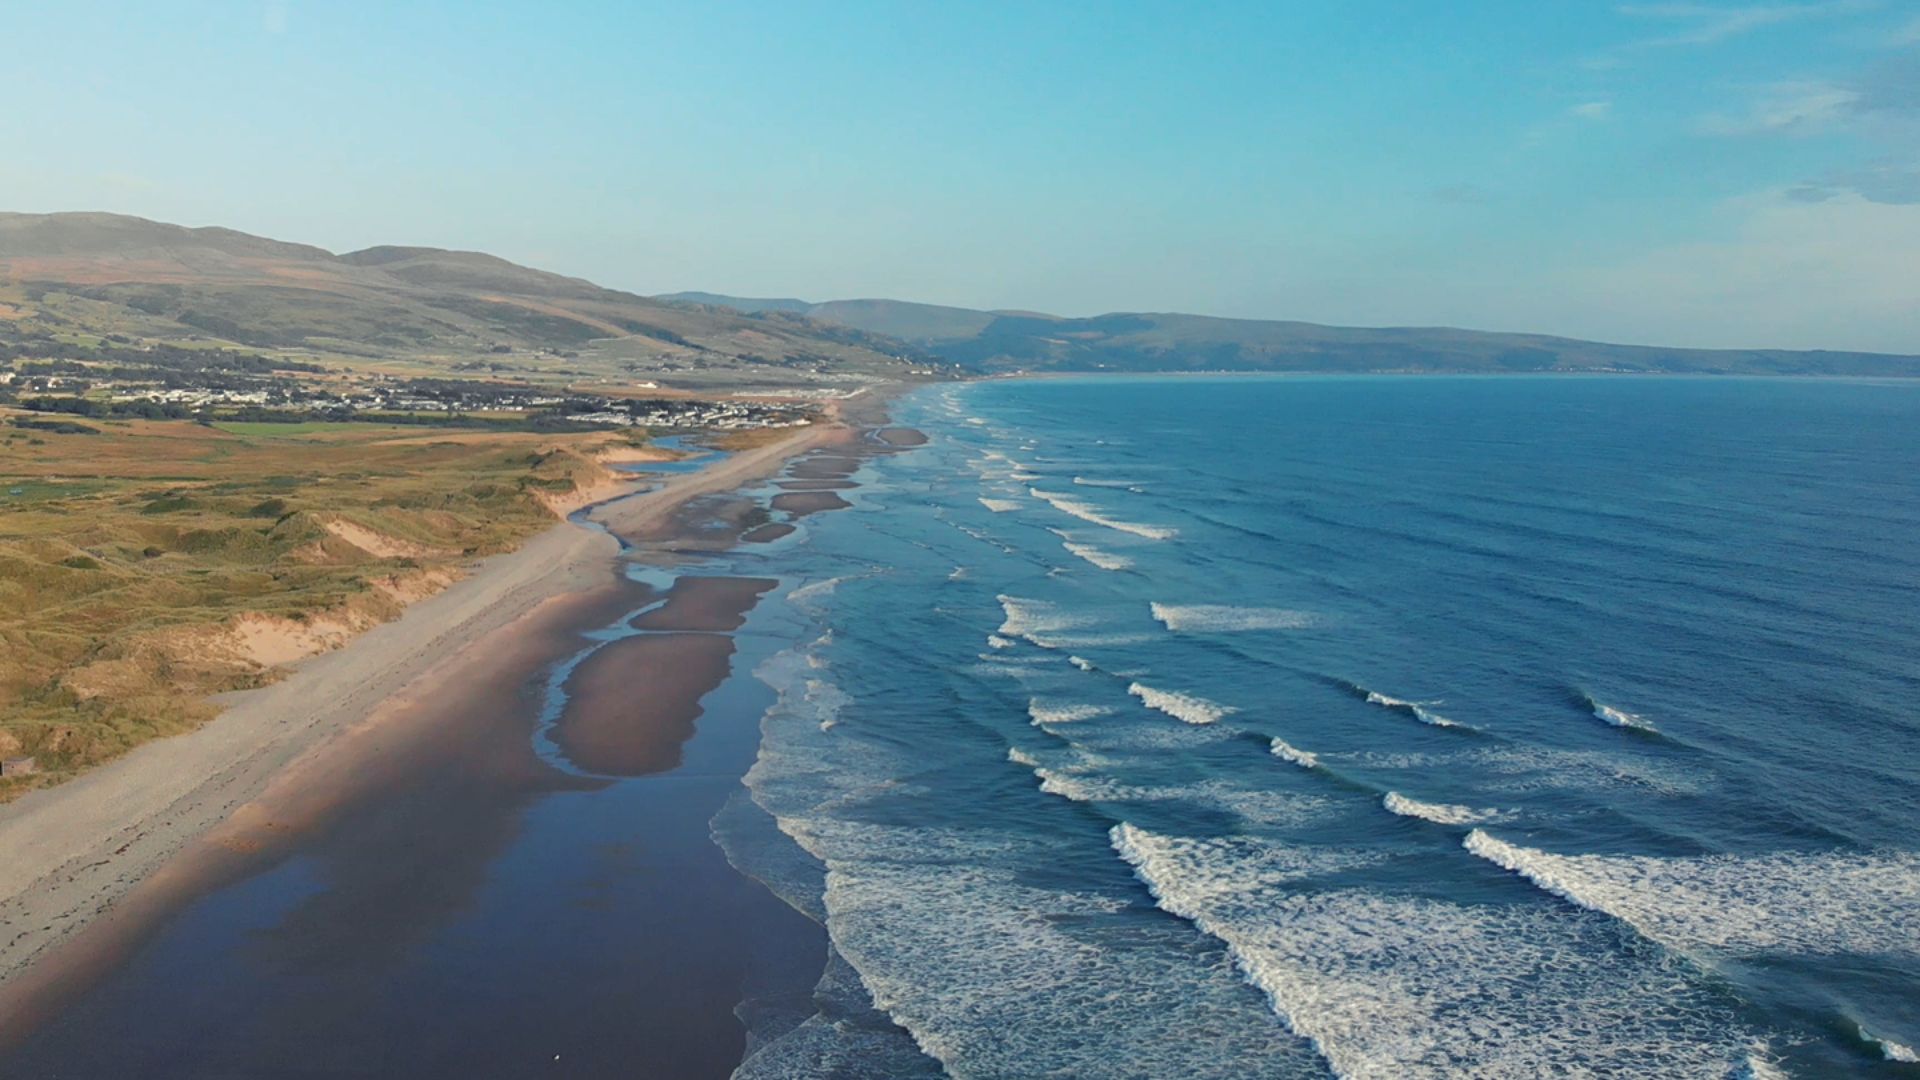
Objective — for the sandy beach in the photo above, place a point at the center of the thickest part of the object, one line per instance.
(89, 867)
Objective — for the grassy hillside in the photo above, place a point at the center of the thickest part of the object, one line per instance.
(1009, 341)
(100, 274)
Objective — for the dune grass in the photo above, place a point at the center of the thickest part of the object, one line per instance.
(128, 557)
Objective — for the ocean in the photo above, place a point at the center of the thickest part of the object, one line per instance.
(1167, 727)
(1376, 726)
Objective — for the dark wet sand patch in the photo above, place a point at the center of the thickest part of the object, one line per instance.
(817, 485)
(712, 523)
(707, 603)
(767, 534)
(632, 705)
(802, 503)
(901, 436)
(825, 467)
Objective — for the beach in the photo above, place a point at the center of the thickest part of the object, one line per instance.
(89, 869)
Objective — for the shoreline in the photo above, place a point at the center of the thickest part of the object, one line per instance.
(89, 867)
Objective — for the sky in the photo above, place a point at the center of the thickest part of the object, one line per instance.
(1715, 174)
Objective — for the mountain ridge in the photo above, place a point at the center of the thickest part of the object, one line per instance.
(1000, 341)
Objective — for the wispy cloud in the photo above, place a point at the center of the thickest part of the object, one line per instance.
(1706, 24)
(1788, 108)
(1592, 110)
(1881, 182)
(1885, 100)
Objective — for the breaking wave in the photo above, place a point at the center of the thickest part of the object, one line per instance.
(1400, 986)
(1419, 710)
(1440, 813)
(1619, 718)
(1193, 710)
(1282, 750)
(1790, 902)
(1889, 1049)
(1000, 506)
(1087, 512)
(1043, 713)
(1225, 618)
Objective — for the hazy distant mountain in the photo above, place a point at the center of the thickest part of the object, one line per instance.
(1007, 341)
(108, 273)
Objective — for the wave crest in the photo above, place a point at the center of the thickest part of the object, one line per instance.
(1226, 618)
(1193, 710)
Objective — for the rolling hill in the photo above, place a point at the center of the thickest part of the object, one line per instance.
(108, 273)
(998, 341)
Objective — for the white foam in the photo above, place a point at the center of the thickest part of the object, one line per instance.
(999, 506)
(1021, 757)
(1520, 769)
(1043, 713)
(1105, 560)
(1225, 618)
(1193, 710)
(1620, 718)
(806, 597)
(959, 572)
(1088, 512)
(1889, 1049)
(1086, 482)
(1440, 813)
(1083, 780)
(1281, 749)
(998, 642)
(1081, 662)
(1038, 621)
(1418, 709)
(1402, 986)
(1789, 902)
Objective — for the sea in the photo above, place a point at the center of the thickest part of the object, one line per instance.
(1383, 727)
(1189, 727)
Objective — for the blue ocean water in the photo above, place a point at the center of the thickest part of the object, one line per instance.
(1384, 727)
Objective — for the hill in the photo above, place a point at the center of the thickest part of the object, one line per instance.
(992, 341)
(101, 274)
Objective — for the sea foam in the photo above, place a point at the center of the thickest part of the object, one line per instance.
(1281, 749)
(1439, 813)
(1620, 718)
(999, 506)
(1405, 986)
(1791, 902)
(1225, 618)
(1044, 713)
(1419, 710)
(1087, 512)
(1193, 710)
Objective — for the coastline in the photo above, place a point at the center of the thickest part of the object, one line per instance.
(89, 867)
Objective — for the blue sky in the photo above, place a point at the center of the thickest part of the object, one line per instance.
(1683, 173)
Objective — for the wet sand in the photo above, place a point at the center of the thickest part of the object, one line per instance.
(767, 534)
(825, 467)
(706, 603)
(802, 503)
(633, 703)
(816, 485)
